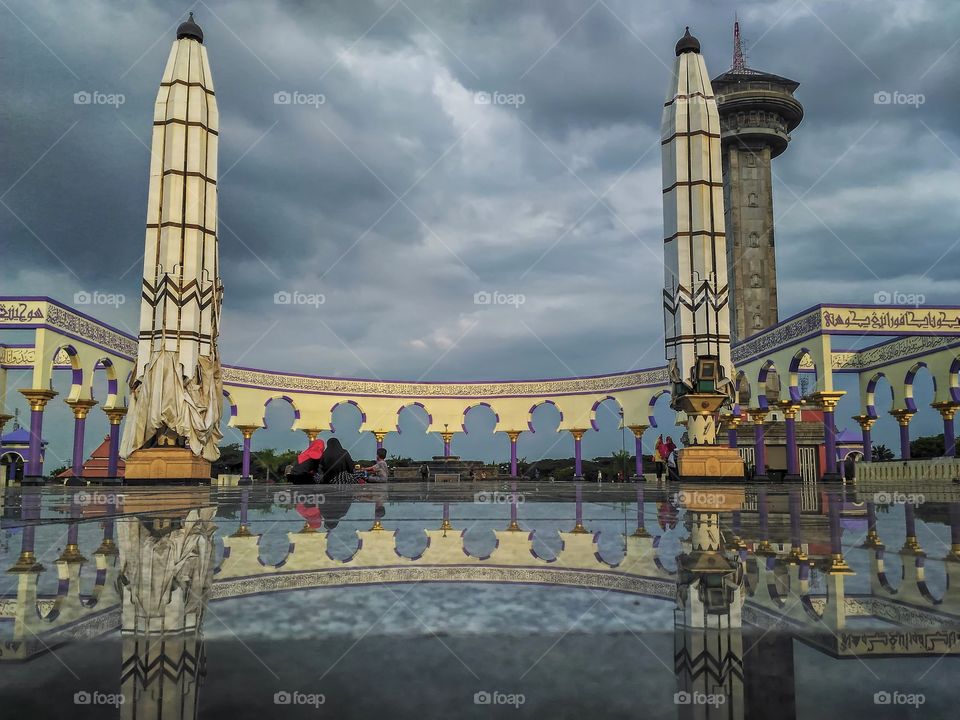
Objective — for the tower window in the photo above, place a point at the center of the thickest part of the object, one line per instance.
(752, 200)
(754, 240)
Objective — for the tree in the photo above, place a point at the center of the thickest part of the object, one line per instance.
(927, 446)
(881, 453)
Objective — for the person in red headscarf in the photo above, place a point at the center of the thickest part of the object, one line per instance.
(308, 463)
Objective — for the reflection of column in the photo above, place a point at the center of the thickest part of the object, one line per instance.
(866, 422)
(828, 401)
(514, 435)
(638, 431)
(837, 564)
(763, 512)
(247, 431)
(641, 530)
(29, 513)
(115, 415)
(796, 543)
(578, 526)
(910, 544)
(80, 408)
(38, 399)
(757, 417)
(514, 525)
(903, 420)
(955, 531)
(947, 411)
(872, 541)
(577, 457)
(790, 428)
(380, 435)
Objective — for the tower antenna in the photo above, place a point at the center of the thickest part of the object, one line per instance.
(739, 63)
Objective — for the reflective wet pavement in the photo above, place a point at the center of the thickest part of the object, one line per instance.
(477, 601)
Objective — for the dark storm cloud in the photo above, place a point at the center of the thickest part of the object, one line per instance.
(557, 198)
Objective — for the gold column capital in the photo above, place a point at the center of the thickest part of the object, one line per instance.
(447, 435)
(828, 399)
(947, 409)
(311, 433)
(789, 408)
(81, 408)
(248, 430)
(903, 416)
(732, 421)
(864, 421)
(638, 430)
(757, 415)
(38, 399)
(577, 433)
(115, 414)
(378, 434)
(514, 435)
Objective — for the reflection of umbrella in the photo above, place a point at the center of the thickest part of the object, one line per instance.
(311, 515)
(666, 516)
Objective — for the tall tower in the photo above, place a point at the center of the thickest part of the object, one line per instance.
(696, 311)
(176, 396)
(757, 114)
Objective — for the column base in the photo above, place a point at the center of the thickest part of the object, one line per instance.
(33, 480)
(760, 478)
(792, 477)
(26, 563)
(831, 477)
(245, 481)
(637, 478)
(110, 481)
(578, 478)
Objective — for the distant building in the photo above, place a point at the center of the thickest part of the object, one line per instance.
(97, 464)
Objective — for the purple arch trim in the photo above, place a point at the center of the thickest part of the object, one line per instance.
(487, 405)
(233, 405)
(872, 389)
(795, 395)
(535, 406)
(954, 390)
(296, 412)
(112, 384)
(762, 381)
(908, 382)
(598, 403)
(653, 403)
(363, 415)
(419, 405)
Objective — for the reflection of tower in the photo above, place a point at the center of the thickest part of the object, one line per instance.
(176, 392)
(757, 114)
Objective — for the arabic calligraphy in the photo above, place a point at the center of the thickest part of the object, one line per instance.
(906, 320)
(20, 312)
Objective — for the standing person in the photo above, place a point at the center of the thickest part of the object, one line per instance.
(660, 457)
(424, 472)
(336, 465)
(599, 477)
(304, 472)
(379, 472)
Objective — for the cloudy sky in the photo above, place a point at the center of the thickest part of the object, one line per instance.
(400, 197)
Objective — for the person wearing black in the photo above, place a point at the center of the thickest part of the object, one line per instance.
(424, 472)
(336, 465)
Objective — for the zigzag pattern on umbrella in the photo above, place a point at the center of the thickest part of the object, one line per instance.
(704, 294)
(168, 288)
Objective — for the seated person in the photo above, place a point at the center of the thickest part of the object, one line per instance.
(304, 472)
(379, 472)
(336, 465)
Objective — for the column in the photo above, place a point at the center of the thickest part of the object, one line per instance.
(247, 431)
(3, 421)
(790, 426)
(866, 422)
(81, 408)
(828, 401)
(577, 456)
(38, 399)
(115, 415)
(447, 439)
(947, 411)
(903, 420)
(638, 431)
(380, 435)
(757, 417)
(733, 422)
(514, 436)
